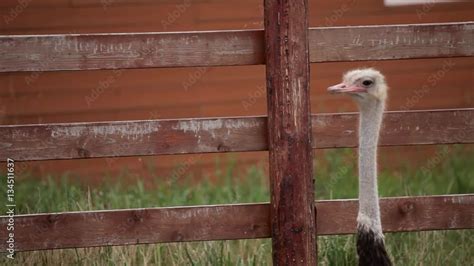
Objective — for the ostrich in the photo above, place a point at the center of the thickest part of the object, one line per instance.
(368, 88)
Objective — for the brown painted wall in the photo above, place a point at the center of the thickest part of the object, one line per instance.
(199, 92)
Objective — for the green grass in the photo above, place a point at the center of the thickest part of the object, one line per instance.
(335, 178)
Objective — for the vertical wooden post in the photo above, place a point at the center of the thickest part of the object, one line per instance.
(289, 131)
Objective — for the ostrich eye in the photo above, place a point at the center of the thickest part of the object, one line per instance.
(367, 83)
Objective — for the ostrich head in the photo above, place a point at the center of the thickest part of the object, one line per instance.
(364, 85)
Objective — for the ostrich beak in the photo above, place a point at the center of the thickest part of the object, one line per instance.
(343, 88)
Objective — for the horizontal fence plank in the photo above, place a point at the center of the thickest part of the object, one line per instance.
(130, 138)
(130, 50)
(226, 48)
(224, 222)
(184, 136)
(358, 43)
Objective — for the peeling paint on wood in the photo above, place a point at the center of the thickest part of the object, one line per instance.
(211, 126)
(123, 131)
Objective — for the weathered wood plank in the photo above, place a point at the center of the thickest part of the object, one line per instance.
(129, 50)
(128, 138)
(400, 214)
(220, 48)
(292, 211)
(376, 42)
(424, 127)
(239, 221)
(160, 137)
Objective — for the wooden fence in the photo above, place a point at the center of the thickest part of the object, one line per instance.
(289, 133)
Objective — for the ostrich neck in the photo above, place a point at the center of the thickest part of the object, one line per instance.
(369, 127)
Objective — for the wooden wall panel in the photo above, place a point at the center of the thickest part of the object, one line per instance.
(227, 91)
(62, 16)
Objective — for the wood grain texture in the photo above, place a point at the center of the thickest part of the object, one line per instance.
(129, 50)
(128, 138)
(160, 137)
(239, 221)
(391, 42)
(424, 127)
(224, 48)
(292, 211)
